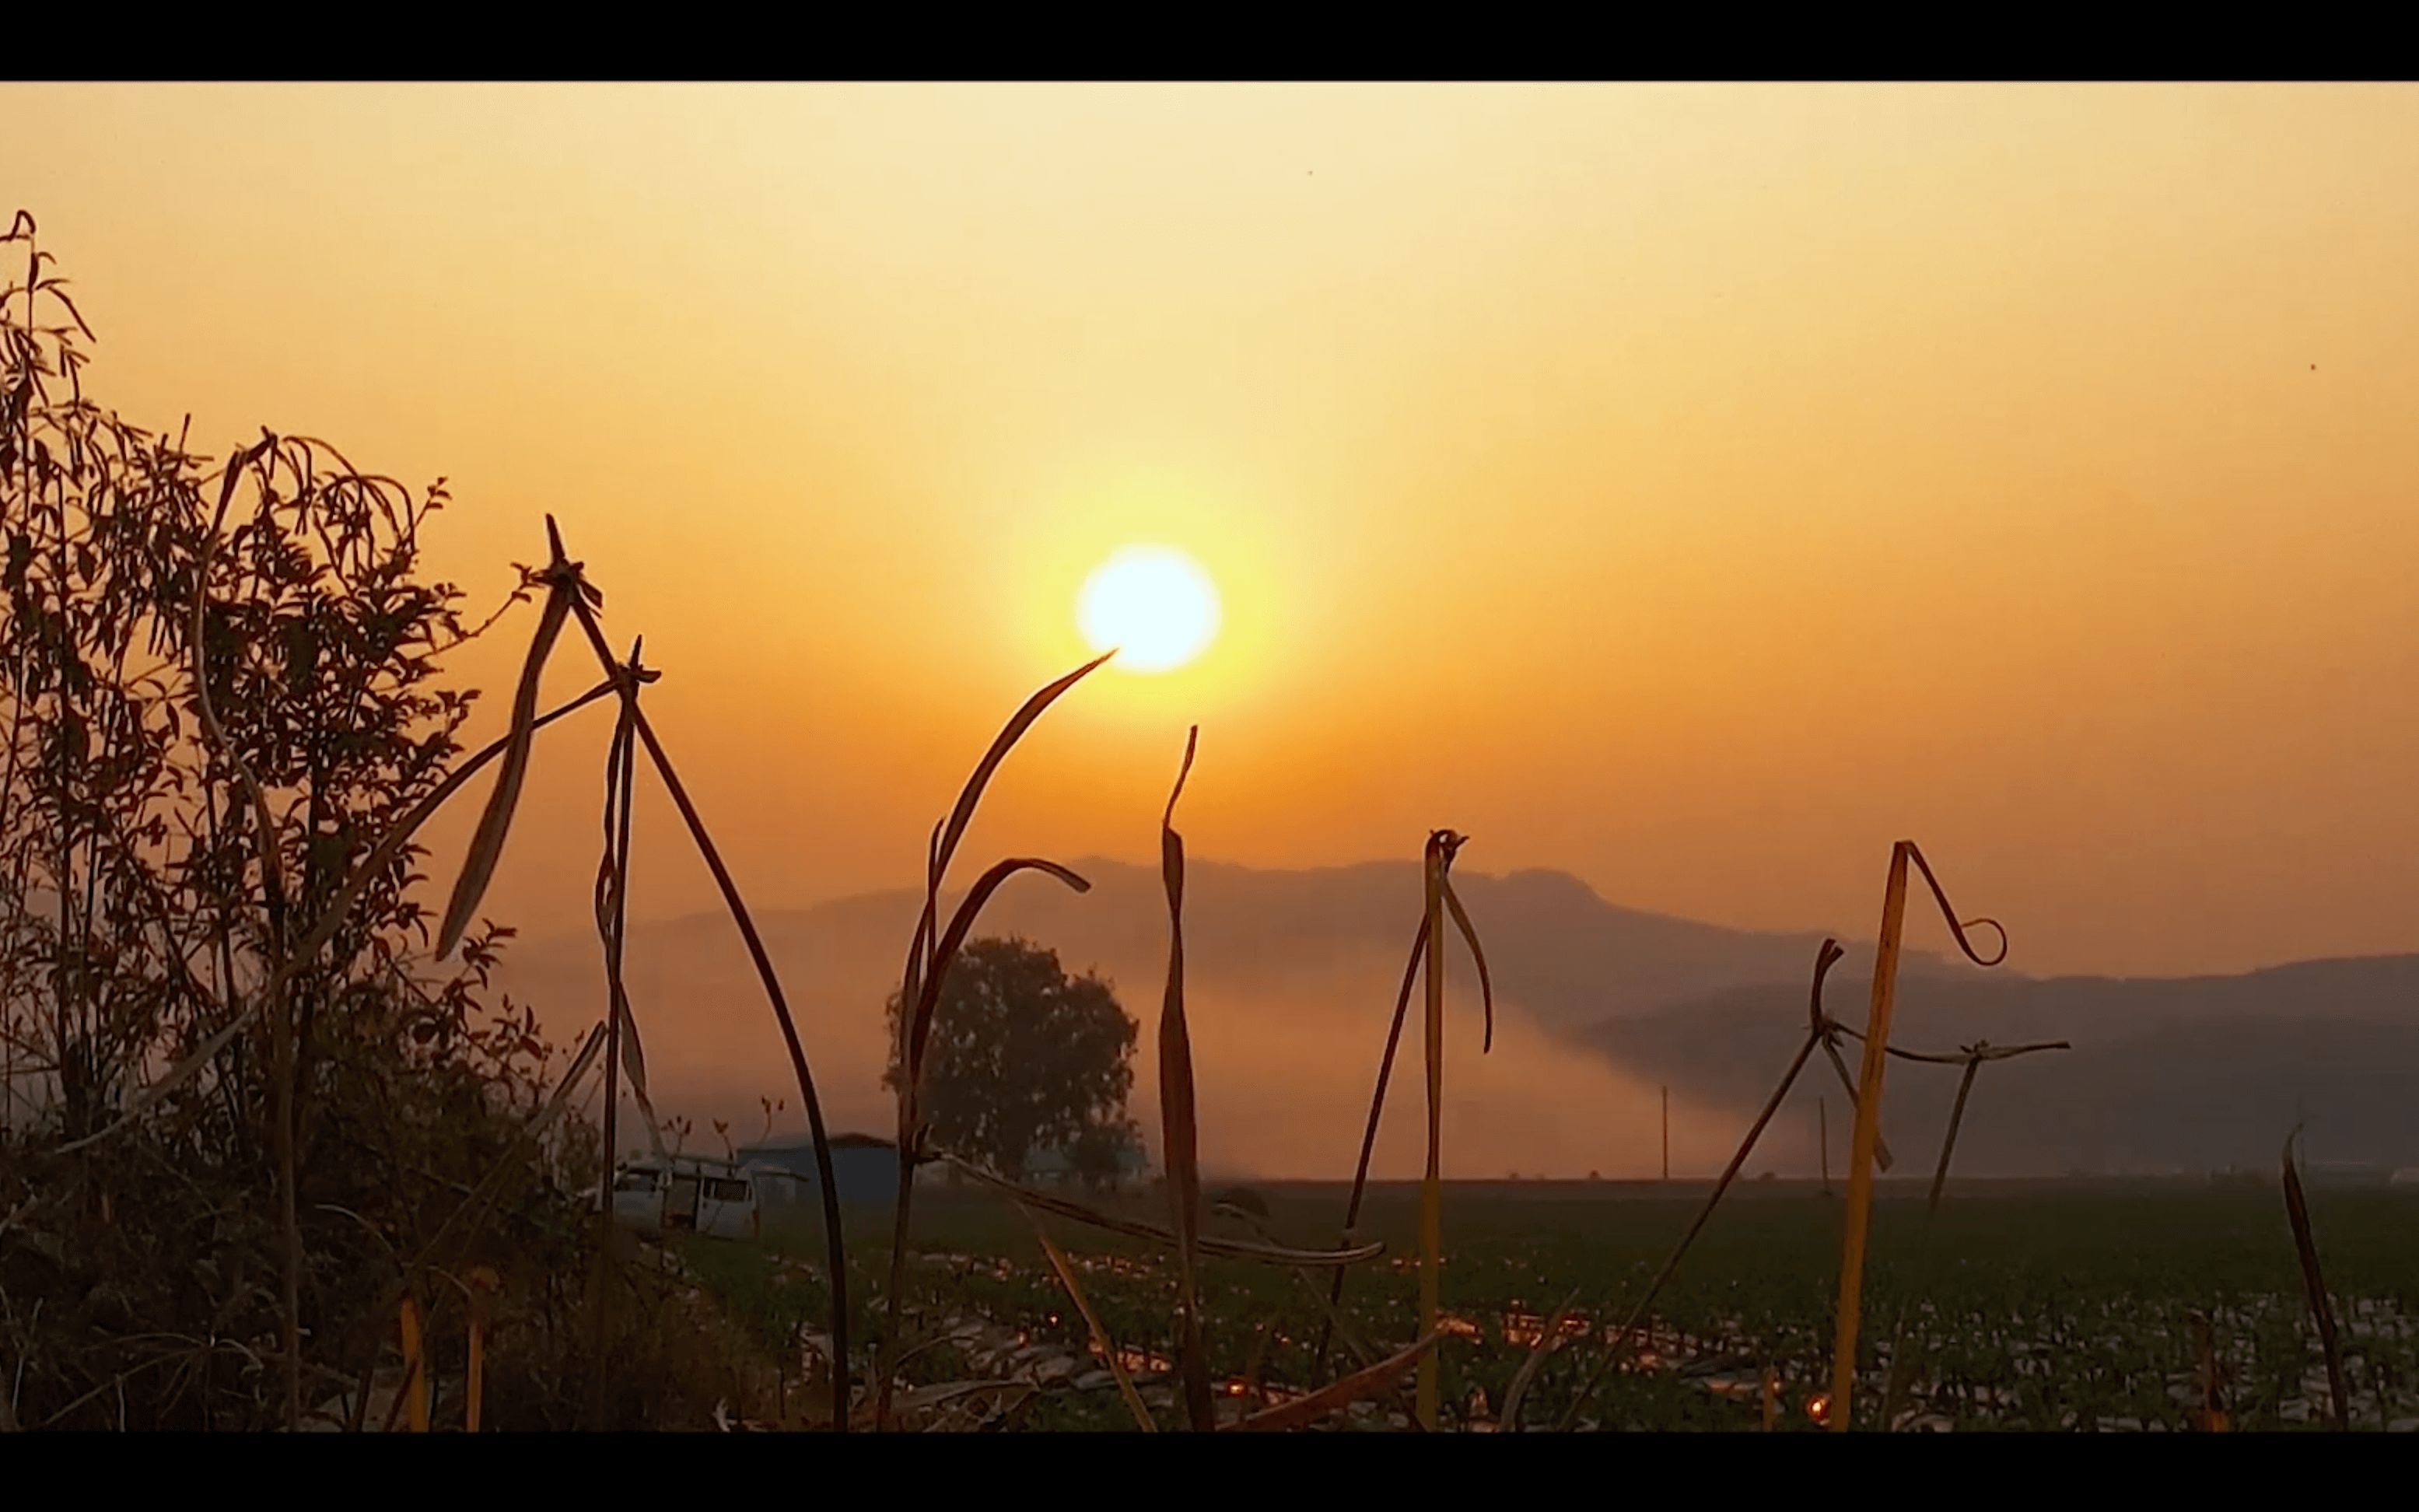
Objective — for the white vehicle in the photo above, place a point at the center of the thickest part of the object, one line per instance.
(639, 1199)
(690, 1195)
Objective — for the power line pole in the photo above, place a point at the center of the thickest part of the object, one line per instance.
(1667, 1133)
(1823, 1124)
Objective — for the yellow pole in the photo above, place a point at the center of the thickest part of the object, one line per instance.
(1868, 1132)
(415, 1370)
(1431, 1184)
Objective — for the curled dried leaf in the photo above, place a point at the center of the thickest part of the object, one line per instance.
(919, 984)
(1486, 982)
(1958, 927)
(488, 843)
(919, 1024)
(946, 835)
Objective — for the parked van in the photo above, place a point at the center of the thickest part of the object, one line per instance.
(692, 1194)
(639, 1199)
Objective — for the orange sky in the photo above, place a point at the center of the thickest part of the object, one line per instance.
(1695, 487)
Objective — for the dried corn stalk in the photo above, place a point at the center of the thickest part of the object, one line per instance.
(928, 953)
(1179, 1124)
(1869, 1108)
(1435, 860)
(2306, 1244)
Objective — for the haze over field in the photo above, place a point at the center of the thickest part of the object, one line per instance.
(1291, 975)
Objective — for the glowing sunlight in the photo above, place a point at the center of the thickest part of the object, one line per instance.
(1154, 604)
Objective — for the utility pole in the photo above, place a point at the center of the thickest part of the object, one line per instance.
(1823, 1124)
(1667, 1133)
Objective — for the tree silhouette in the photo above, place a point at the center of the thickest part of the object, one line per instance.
(1021, 1057)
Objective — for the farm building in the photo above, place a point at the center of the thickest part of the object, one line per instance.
(864, 1167)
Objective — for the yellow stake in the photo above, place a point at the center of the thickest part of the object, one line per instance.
(415, 1371)
(1861, 1153)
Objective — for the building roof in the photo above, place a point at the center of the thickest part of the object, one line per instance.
(679, 1165)
(797, 1144)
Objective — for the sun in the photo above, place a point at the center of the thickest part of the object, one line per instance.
(1152, 604)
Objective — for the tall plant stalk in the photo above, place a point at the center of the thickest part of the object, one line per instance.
(1180, 1119)
(1434, 860)
(1868, 1111)
(614, 921)
(834, 1242)
(2306, 1246)
(281, 1023)
(1412, 971)
(928, 954)
(1369, 1137)
(1825, 958)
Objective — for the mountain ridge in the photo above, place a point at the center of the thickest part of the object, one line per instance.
(1293, 975)
(1641, 958)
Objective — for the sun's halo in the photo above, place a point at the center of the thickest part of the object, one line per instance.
(1152, 604)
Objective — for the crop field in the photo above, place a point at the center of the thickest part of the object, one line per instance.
(2042, 1306)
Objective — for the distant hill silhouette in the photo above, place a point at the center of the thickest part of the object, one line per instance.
(2196, 1073)
(1566, 956)
(1293, 972)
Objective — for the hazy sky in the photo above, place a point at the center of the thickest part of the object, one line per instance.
(1694, 488)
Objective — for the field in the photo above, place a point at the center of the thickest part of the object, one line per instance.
(2044, 1306)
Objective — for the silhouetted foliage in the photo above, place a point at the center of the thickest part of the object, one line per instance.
(139, 918)
(1023, 1057)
